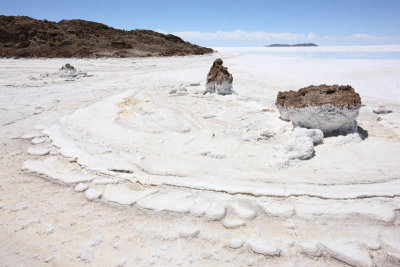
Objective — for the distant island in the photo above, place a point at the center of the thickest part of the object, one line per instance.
(288, 45)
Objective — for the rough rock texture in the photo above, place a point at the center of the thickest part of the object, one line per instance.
(343, 95)
(219, 80)
(22, 36)
(329, 108)
(67, 71)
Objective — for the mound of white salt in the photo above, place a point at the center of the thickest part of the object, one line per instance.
(300, 146)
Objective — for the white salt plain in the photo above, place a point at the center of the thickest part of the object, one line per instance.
(193, 179)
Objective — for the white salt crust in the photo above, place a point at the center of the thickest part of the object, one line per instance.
(328, 118)
(225, 88)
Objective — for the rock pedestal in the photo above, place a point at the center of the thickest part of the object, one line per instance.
(328, 108)
(219, 80)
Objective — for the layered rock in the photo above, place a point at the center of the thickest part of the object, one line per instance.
(68, 71)
(219, 80)
(328, 108)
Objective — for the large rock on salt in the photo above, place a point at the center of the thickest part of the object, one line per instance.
(67, 71)
(328, 108)
(219, 80)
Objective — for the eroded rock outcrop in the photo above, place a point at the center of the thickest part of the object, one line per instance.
(219, 80)
(328, 108)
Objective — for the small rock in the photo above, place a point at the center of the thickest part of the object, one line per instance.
(49, 259)
(381, 109)
(243, 212)
(86, 255)
(310, 249)
(38, 140)
(31, 136)
(122, 262)
(67, 71)
(216, 212)
(265, 135)
(49, 229)
(235, 243)
(94, 192)
(81, 187)
(189, 232)
(38, 151)
(263, 247)
(233, 223)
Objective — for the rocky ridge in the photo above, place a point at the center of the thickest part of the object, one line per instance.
(22, 36)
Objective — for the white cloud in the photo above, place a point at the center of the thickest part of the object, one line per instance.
(240, 35)
(260, 38)
(367, 37)
(311, 36)
(161, 31)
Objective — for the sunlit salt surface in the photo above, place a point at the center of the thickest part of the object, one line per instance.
(322, 52)
(201, 174)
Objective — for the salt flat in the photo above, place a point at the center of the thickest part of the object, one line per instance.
(169, 176)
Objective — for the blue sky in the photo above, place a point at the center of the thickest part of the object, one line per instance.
(234, 23)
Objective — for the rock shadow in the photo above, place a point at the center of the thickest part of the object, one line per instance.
(361, 131)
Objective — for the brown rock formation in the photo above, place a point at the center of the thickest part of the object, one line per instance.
(219, 73)
(343, 95)
(332, 109)
(22, 36)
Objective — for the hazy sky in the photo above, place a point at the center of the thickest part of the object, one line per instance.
(234, 23)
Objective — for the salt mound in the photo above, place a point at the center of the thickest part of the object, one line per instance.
(300, 146)
(67, 71)
(315, 134)
(219, 80)
(328, 108)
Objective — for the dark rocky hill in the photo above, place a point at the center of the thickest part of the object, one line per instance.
(22, 36)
